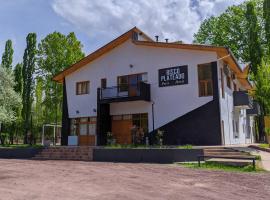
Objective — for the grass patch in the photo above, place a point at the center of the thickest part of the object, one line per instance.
(188, 146)
(221, 167)
(16, 146)
(264, 145)
(133, 146)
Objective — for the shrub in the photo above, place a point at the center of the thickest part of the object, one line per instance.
(110, 138)
(159, 137)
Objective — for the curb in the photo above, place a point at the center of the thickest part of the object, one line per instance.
(259, 148)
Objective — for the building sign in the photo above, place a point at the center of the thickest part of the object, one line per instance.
(173, 76)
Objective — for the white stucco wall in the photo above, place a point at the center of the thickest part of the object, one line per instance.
(169, 102)
(228, 112)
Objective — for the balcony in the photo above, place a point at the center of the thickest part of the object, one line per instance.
(124, 93)
(255, 110)
(242, 100)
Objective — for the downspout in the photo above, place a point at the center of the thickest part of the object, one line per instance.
(153, 116)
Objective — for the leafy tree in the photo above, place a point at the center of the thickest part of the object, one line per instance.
(230, 30)
(9, 99)
(7, 56)
(56, 52)
(16, 127)
(262, 86)
(254, 43)
(29, 61)
(38, 107)
(266, 15)
(18, 78)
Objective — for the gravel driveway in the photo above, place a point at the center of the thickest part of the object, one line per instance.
(29, 179)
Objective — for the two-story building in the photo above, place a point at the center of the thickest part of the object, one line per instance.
(195, 94)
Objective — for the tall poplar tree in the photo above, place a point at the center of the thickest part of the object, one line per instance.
(18, 86)
(29, 61)
(266, 16)
(254, 44)
(7, 56)
(18, 78)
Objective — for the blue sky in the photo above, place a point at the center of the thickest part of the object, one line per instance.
(96, 22)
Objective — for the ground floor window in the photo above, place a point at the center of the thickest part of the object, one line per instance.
(248, 132)
(130, 129)
(83, 126)
(235, 128)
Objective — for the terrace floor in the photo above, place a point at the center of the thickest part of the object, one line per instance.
(32, 179)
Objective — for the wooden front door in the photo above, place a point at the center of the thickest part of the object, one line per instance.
(87, 131)
(121, 130)
(87, 140)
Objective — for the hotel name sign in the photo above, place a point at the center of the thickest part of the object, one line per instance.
(173, 76)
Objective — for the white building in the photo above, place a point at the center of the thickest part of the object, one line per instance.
(196, 94)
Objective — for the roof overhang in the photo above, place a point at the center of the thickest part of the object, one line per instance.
(222, 53)
(101, 51)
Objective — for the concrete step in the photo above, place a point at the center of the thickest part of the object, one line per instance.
(66, 153)
(226, 154)
(231, 162)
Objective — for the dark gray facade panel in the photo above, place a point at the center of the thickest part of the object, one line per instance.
(146, 155)
(199, 127)
(65, 118)
(19, 153)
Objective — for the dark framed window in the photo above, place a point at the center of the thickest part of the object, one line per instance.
(205, 80)
(140, 121)
(222, 82)
(82, 88)
(133, 80)
(235, 87)
(103, 83)
(228, 79)
(122, 83)
(83, 126)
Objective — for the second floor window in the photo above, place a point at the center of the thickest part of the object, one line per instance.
(228, 78)
(82, 88)
(130, 81)
(205, 80)
(103, 83)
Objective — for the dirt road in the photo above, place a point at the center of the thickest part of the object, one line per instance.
(29, 180)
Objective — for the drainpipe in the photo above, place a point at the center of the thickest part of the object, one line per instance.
(153, 116)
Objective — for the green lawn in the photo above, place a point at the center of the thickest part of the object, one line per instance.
(14, 146)
(264, 145)
(132, 146)
(221, 167)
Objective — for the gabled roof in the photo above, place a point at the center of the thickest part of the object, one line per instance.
(108, 47)
(223, 52)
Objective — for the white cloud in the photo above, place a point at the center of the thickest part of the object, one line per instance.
(173, 19)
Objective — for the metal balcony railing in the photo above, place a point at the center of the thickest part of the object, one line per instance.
(140, 91)
(242, 99)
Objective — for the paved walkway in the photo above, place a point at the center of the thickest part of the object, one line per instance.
(265, 159)
(265, 156)
(72, 180)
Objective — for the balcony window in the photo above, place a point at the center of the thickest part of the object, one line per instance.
(130, 83)
(205, 80)
(123, 83)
